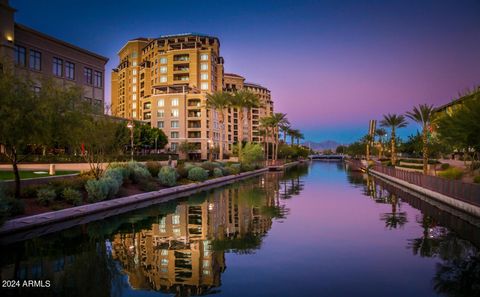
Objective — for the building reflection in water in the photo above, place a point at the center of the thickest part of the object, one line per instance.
(176, 247)
(454, 241)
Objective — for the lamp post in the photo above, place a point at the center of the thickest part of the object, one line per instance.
(209, 151)
(130, 126)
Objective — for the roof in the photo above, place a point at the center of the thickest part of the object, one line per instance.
(254, 85)
(233, 75)
(143, 39)
(459, 100)
(186, 34)
(64, 43)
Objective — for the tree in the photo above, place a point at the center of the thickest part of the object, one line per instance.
(244, 100)
(341, 149)
(266, 126)
(423, 114)
(148, 137)
(251, 154)
(187, 148)
(29, 118)
(393, 122)
(380, 133)
(285, 128)
(277, 119)
(219, 101)
(460, 128)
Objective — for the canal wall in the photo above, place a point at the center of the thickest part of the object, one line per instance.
(22, 228)
(458, 204)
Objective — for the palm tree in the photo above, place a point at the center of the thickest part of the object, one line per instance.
(242, 100)
(294, 134)
(285, 128)
(381, 133)
(394, 122)
(219, 101)
(266, 125)
(300, 136)
(277, 119)
(423, 114)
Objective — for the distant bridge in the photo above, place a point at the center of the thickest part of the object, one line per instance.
(327, 157)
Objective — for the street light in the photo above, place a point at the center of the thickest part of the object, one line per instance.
(130, 126)
(209, 151)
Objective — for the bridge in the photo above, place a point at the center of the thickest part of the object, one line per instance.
(323, 157)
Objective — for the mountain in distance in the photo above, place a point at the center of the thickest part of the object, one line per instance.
(321, 146)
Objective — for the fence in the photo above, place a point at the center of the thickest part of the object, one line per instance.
(467, 192)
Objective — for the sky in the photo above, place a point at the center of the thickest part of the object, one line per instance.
(330, 65)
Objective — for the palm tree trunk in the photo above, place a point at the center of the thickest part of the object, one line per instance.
(425, 150)
(240, 132)
(393, 157)
(292, 139)
(16, 173)
(368, 152)
(222, 131)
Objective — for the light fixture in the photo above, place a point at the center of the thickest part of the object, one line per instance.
(9, 38)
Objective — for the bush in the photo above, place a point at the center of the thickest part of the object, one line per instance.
(72, 196)
(226, 171)
(182, 171)
(444, 166)
(476, 179)
(451, 173)
(139, 174)
(46, 196)
(118, 174)
(210, 166)
(97, 190)
(217, 172)
(167, 176)
(244, 167)
(197, 174)
(31, 191)
(252, 153)
(234, 168)
(153, 167)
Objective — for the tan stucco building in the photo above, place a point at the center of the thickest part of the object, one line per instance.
(38, 56)
(165, 81)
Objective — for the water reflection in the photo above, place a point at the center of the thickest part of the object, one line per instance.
(453, 241)
(176, 247)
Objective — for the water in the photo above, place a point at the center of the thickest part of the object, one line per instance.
(314, 231)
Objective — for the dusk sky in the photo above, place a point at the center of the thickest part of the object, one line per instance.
(331, 65)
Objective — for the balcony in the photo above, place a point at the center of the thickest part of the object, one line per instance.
(194, 113)
(194, 125)
(194, 103)
(181, 68)
(181, 58)
(181, 77)
(196, 134)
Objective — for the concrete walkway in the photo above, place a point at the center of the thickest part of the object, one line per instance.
(82, 167)
(36, 225)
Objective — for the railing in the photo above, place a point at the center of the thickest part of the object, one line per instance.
(467, 192)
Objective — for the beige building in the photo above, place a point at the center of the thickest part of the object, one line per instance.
(38, 56)
(165, 81)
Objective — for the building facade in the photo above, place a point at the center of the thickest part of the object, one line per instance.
(40, 56)
(165, 81)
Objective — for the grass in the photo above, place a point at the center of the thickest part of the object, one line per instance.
(8, 175)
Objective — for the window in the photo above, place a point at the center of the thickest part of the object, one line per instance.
(134, 55)
(87, 74)
(204, 66)
(161, 103)
(134, 63)
(175, 113)
(134, 88)
(160, 113)
(134, 71)
(20, 56)
(204, 86)
(134, 80)
(36, 90)
(173, 146)
(134, 97)
(147, 105)
(57, 67)
(160, 124)
(174, 134)
(147, 115)
(69, 70)
(174, 124)
(35, 60)
(134, 105)
(99, 79)
(163, 60)
(134, 114)
(204, 57)
(204, 76)
(175, 102)
(163, 79)
(163, 69)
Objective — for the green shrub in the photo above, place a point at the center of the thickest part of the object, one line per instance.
(476, 179)
(182, 171)
(148, 186)
(244, 167)
(117, 174)
(139, 174)
(46, 196)
(444, 166)
(72, 196)
(167, 176)
(252, 153)
(153, 167)
(97, 190)
(217, 172)
(226, 171)
(451, 173)
(197, 174)
(31, 191)
(210, 166)
(234, 168)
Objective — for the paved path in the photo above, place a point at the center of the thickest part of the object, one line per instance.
(62, 166)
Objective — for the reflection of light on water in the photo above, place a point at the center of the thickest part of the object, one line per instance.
(436, 232)
(263, 181)
(210, 206)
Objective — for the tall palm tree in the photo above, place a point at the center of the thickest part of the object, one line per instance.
(277, 119)
(424, 115)
(285, 128)
(219, 101)
(300, 136)
(380, 133)
(266, 125)
(244, 100)
(394, 122)
(294, 134)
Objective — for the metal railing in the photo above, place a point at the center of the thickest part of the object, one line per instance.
(467, 192)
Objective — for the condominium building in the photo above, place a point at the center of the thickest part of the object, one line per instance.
(39, 56)
(165, 81)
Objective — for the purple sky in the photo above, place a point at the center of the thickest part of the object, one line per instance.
(331, 65)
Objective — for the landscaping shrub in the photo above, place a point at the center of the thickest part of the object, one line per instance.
(153, 167)
(31, 191)
(113, 186)
(217, 172)
(139, 173)
(72, 196)
(476, 179)
(46, 196)
(226, 171)
(207, 165)
(197, 174)
(182, 171)
(118, 174)
(252, 153)
(97, 190)
(451, 173)
(244, 167)
(444, 166)
(234, 168)
(148, 186)
(167, 176)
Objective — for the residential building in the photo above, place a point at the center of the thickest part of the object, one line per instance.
(165, 81)
(38, 56)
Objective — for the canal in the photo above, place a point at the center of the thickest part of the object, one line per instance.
(314, 230)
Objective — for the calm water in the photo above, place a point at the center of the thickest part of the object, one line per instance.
(313, 231)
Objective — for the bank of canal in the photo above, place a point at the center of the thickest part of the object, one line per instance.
(315, 230)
